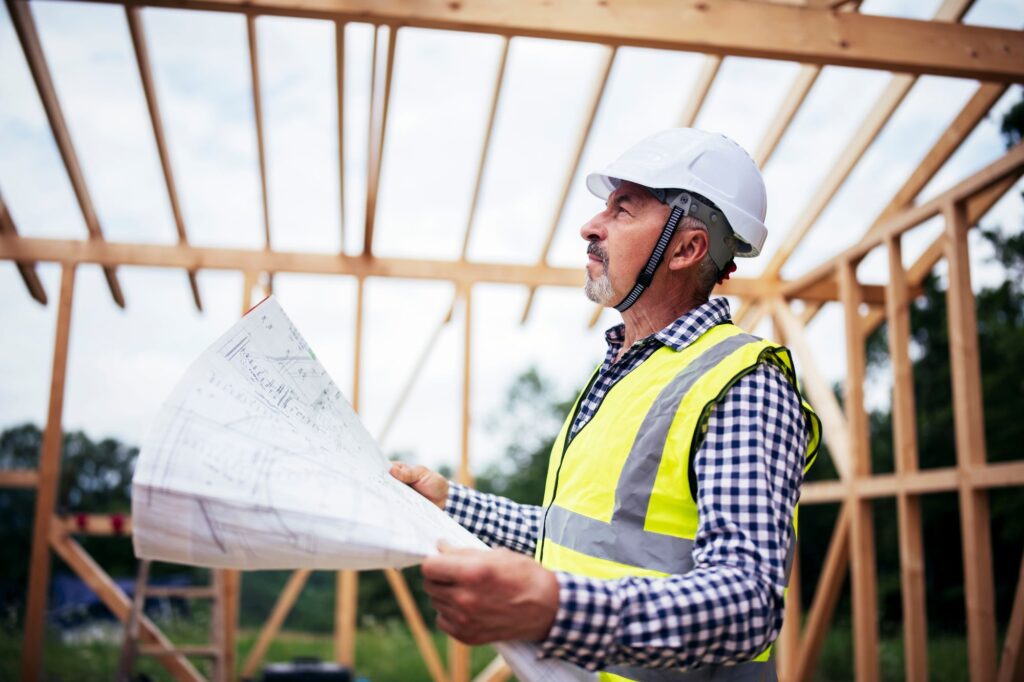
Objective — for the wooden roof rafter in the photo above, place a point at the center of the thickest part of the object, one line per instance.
(138, 36)
(380, 97)
(26, 269)
(261, 150)
(28, 37)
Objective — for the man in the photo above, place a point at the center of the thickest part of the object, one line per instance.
(662, 548)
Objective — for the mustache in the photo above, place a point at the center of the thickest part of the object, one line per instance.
(595, 250)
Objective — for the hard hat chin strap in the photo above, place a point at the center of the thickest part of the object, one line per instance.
(683, 204)
(680, 209)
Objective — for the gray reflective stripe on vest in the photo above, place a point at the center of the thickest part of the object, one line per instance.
(752, 671)
(656, 551)
(624, 539)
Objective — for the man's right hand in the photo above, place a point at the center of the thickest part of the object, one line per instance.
(427, 483)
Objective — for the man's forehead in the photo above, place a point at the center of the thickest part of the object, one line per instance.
(630, 191)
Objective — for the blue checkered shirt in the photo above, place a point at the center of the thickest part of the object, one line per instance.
(729, 607)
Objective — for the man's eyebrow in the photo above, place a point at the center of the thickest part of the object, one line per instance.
(627, 195)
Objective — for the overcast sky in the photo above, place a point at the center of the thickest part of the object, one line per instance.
(123, 363)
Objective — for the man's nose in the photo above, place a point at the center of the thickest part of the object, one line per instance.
(594, 229)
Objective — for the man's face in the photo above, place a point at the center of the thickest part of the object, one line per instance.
(621, 238)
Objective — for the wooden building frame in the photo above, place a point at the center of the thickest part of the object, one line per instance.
(812, 33)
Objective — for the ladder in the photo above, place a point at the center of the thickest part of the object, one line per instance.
(132, 648)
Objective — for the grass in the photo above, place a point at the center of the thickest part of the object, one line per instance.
(387, 652)
(383, 652)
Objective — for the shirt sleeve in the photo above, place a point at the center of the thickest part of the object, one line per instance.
(496, 520)
(729, 608)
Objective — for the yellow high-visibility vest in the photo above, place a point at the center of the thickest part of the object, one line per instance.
(618, 497)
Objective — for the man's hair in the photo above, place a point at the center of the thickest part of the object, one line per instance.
(707, 272)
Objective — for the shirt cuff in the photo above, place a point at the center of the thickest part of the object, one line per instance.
(586, 623)
(458, 499)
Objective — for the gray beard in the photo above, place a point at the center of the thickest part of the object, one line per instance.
(599, 290)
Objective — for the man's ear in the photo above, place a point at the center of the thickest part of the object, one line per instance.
(688, 249)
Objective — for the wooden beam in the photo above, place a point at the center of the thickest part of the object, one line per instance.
(114, 598)
(1011, 666)
(346, 585)
(872, 125)
(458, 653)
(496, 671)
(230, 582)
(26, 269)
(725, 27)
(993, 174)
(499, 82)
(705, 78)
(830, 584)
(25, 27)
(283, 605)
(946, 479)
(46, 489)
(789, 636)
(378, 127)
(257, 107)
(805, 79)
(339, 76)
(836, 430)
(968, 418)
(113, 525)
(138, 35)
(420, 633)
(904, 425)
(465, 477)
(19, 478)
(863, 567)
(187, 256)
(597, 94)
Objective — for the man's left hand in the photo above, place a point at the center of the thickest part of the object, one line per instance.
(486, 596)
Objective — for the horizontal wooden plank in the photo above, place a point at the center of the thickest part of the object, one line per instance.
(1001, 475)
(724, 27)
(461, 272)
(19, 478)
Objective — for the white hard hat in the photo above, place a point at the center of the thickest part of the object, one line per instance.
(709, 164)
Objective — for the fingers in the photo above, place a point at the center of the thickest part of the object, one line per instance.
(407, 474)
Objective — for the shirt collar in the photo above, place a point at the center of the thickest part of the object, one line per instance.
(686, 329)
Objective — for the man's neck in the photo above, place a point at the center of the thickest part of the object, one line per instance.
(647, 317)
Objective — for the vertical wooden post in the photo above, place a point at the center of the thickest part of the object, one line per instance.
(788, 643)
(862, 532)
(347, 582)
(46, 490)
(904, 426)
(458, 653)
(789, 637)
(230, 580)
(968, 418)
